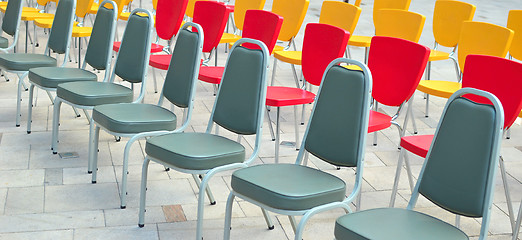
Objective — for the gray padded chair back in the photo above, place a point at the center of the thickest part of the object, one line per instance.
(12, 17)
(102, 36)
(460, 167)
(184, 65)
(133, 56)
(335, 133)
(62, 26)
(239, 99)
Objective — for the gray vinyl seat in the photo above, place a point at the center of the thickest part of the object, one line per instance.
(458, 176)
(139, 120)
(59, 39)
(296, 189)
(238, 108)
(92, 93)
(50, 77)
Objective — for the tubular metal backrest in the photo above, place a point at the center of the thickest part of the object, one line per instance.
(340, 14)
(184, 66)
(293, 13)
(483, 38)
(169, 16)
(241, 7)
(340, 140)
(315, 57)
(448, 16)
(515, 23)
(264, 26)
(133, 57)
(60, 35)
(459, 171)
(83, 7)
(390, 4)
(12, 16)
(212, 16)
(399, 24)
(99, 50)
(242, 92)
(397, 66)
(504, 82)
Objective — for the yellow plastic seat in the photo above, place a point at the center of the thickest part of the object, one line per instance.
(25, 9)
(475, 38)
(515, 23)
(292, 57)
(240, 8)
(94, 8)
(361, 41)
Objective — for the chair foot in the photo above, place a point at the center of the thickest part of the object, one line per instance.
(17, 125)
(89, 172)
(271, 227)
(167, 169)
(338, 168)
(375, 144)
(141, 225)
(55, 152)
(213, 203)
(28, 132)
(93, 182)
(117, 139)
(123, 207)
(79, 115)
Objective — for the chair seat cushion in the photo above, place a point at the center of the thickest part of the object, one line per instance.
(439, 88)
(417, 144)
(394, 223)
(378, 121)
(360, 41)
(133, 117)
(50, 77)
(288, 186)
(25, 61)
(292, 57)
(287, 96)
(94, 93)
(196, 151)
(436, 55)
(211, 74)
(160, 61)
(4, 43)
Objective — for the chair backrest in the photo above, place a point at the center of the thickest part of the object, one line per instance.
(390, 4)
(190, 8)
(399, 24)
(213, 17)
(155, 4)
(448, 16)
(459, 172)
(242, 6)
(11, 19)
(99, 49)
(499, 76)
(315, 56)
(397, 66)
(241, 96)
(515, 23)
(340, 140)
(60, 36)
(133, 58)
(484, 39)
(340, 14)
(43, 2)
(83, 7)
(263, 26)
(181, 78)
(293, 13)
(169, 15)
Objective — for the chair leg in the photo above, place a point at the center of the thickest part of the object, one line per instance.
(408, 171)
(30, 109)
(93, 157)
(457, 221)
(296, 79)
(427, 96)
(506, 192)
(273, 72)
(228, 216)
(143, 191)
(268, 220)
(293, 223)
(413, 121)
(154, 78)
(270, 124)
(56, 124)
(201, 200)
(208, 191)
(296, 128)
(126, 152)
(366, 54)
(87, 116)
(277, 135)
(397, 177)
(517, 227)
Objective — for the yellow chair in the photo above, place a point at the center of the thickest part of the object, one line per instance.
(364, 41)
(515, 23)
(339, 14)
(240, 8)
(30, 14)
(293, 13)
(475, 38)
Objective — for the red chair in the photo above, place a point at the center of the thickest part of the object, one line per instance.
(394, 78)
(260, 25)
(315, 59)
(504, 82)
(212, 16)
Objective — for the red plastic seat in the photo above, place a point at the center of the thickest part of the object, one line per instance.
(503, 82)
(315, 59)
(260, 25)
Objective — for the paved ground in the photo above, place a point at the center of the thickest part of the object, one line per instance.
(45, 197)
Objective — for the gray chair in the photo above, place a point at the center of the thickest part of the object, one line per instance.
(11, 25)
(295, 189)
(59, 39)
(238, 108)
(139, 120)
(458, 176)
(130, 65)
(98, 56)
